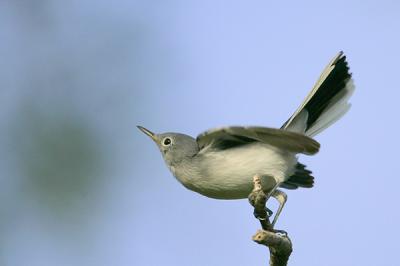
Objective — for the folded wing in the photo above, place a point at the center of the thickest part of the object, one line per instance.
(230, 137)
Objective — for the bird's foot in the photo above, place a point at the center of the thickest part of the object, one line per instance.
(280, 232)
(263, 215)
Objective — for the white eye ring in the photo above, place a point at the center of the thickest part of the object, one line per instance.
(167, 141)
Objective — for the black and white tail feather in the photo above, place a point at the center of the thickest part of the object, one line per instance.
(324, 105)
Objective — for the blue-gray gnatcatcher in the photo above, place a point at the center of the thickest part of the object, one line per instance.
(220, 163)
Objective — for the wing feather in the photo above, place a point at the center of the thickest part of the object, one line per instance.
(286, 140)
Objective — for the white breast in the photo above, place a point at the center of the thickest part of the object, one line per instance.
(228, 174)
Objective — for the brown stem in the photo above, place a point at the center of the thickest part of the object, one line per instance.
(280, 246)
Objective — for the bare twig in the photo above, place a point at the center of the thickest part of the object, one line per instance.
(279, 244)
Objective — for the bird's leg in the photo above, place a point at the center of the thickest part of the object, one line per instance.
(268, 184)
(281, 197)
(269, 212)
(258, 199)
(277, 241)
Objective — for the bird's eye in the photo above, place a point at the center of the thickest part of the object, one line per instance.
(167, 141)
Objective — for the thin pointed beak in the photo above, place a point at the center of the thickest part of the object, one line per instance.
(148, 133)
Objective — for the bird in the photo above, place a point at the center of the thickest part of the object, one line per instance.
(221, 163)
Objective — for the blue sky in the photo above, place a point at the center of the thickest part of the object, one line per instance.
(188, 66)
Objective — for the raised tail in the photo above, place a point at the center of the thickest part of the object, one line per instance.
(327, 102)
(324, 105)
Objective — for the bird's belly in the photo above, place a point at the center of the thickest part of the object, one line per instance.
(229, 174)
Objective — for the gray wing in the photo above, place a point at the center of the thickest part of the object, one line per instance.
(229, 137)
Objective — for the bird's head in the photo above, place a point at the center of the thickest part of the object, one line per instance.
(174, 147)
